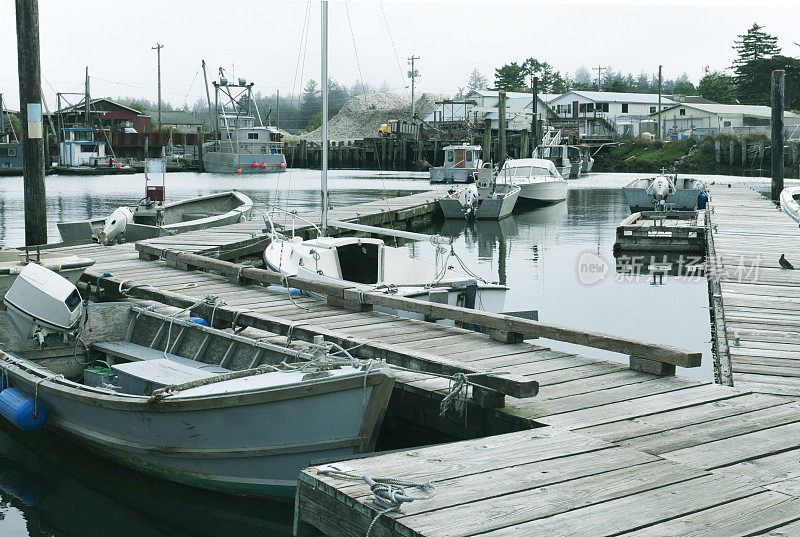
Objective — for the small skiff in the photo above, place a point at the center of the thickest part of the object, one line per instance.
(790, 202)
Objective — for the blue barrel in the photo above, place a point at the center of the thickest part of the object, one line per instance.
(199, 320)
(20, 409)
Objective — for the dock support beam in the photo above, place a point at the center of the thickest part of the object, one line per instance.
(776, 144)
(644, 365)
(487, 140)
(30, 106)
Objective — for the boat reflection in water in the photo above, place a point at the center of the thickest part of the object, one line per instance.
(60, 490)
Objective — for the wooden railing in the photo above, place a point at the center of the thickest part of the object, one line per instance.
(646, 357)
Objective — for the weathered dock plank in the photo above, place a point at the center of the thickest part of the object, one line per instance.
(759, 347)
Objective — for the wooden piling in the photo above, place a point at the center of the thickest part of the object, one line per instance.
(30, 101)
(487, 140)
(777, 134)
(501, 128)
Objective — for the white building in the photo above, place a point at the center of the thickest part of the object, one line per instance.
(700, 118)
(607, 113)
(487, 103)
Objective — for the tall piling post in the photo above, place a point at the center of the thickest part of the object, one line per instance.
(776, 142)
(30, 106)
(501, 127)
(487, 140)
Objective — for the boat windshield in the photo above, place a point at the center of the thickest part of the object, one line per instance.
(527, 171)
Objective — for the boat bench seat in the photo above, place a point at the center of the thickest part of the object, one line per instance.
(137, 353)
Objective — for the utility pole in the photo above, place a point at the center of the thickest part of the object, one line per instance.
(658, 130)
(413, 74)
(599, 70)
(30, 107)
(158, 48)
(776, 143)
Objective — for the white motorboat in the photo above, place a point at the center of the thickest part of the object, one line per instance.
(12, 262)
(460, 164)
(369, 264)
(538, 179)
(486, 199)
(790, 202)
(663, 192)
(155, 218)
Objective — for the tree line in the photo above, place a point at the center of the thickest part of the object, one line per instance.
(747, 81)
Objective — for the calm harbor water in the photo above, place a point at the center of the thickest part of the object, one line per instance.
(47, 488)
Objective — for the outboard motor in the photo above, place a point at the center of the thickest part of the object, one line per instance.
(470, 200)
(43, 304)
(115, 225)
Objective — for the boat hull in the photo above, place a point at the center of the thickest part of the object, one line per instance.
(789, 202)
(251, 444)
(682, 200)
(222, 162)
(544, 192)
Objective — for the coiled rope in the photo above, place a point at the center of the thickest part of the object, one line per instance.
(388, 493)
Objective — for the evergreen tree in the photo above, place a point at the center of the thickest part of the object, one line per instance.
(310, 102)
(684, 86)
(510, 77)
(755, 44)
(718, 87)
(476, 81)
(753, 85)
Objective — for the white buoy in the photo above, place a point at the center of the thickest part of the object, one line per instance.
(115, 225)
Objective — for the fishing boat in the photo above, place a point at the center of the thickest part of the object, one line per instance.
(663, 192)
(186, 402)
(790, 202)
(460, 164)
(486, 199)
(538, 179)
(369, 264)
(154, 218)
(243, 144)
(12, 261)
(566, 159)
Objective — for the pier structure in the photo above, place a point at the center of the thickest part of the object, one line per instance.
(552, 442)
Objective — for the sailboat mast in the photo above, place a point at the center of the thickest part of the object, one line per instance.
(324, 227)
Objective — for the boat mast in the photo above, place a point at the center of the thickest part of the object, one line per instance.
(324, 226)
(208, 98)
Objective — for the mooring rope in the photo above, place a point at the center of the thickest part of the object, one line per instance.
(388, 493)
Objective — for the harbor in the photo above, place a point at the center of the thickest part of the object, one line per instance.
(342, 311)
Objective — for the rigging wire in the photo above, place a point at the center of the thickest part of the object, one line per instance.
(396, 57)
(191, 86)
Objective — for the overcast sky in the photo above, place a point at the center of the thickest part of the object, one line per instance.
(261, 40)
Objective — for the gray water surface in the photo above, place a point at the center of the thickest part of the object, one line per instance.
(47, 488)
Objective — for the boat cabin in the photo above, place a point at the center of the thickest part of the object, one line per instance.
(529, 167)
(10, 153)
(241, 134)
(462, 156)
(79, 148)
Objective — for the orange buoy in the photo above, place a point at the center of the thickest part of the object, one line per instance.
(283, 164)
(255, 164)
(263, 165)
(239, 170)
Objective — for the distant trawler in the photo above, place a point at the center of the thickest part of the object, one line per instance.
(243, 144)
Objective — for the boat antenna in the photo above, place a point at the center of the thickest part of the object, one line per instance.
(324, 226)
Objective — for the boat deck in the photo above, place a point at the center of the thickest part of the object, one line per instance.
(759, 301)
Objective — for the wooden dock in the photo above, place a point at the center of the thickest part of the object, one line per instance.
(757, 304)
(675, 232)
(604, 448)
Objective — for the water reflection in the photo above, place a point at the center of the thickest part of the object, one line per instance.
(57, 489)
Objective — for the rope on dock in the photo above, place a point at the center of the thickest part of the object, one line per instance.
(388, 493)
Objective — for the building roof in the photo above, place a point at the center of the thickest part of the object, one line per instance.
(176, 117)
(689, 99)
(732, 109)
(620, 97)
(94, 102)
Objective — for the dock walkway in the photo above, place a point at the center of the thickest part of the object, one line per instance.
(760, 301)
(601, 450)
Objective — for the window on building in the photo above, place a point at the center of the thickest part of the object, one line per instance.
(652, 109)
(12, 151)
(682, 112)
(603, 107)
(624, 108)
(252, 136)
(726, 123)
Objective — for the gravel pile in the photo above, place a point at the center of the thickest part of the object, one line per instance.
(362, 115)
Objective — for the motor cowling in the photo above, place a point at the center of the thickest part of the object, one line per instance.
(115, 224)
